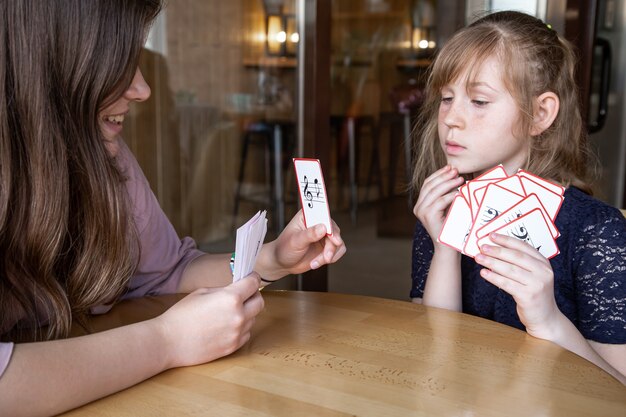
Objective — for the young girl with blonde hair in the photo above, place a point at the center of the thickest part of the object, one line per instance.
(502, 91)
(80, 228)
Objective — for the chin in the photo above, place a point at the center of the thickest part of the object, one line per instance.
(112, 145)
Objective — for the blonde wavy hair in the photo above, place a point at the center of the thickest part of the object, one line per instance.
(536, 60)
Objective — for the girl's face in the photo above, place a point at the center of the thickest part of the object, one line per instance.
(476, 125)
(112, 117)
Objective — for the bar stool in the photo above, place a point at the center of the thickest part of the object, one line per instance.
(269, 135)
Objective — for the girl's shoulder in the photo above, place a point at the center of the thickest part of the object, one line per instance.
(578, 201)
(585, 213)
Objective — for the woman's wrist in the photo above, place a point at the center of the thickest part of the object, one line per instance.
(267, 264)
(165, 341)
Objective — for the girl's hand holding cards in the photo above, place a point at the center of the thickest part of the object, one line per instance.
(522, 206)
(520, 270)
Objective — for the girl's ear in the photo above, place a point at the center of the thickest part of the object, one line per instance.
(545, 110)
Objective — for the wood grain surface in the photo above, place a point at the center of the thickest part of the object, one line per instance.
(326, 354)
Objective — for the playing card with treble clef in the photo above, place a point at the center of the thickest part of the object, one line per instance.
(312, 193)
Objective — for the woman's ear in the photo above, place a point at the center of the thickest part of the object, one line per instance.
(545, 110)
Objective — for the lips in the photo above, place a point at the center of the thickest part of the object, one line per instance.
(113, 123)
(453, 148)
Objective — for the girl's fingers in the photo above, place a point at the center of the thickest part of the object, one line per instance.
(510, 286)
(436, 205)
(519, 261)
(431, 194)
(435, 180)
(502, 268)
(516, 244)
(436, 174)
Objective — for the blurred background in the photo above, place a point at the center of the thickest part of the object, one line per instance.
(241, 87)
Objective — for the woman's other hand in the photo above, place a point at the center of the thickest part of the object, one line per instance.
(210, 322)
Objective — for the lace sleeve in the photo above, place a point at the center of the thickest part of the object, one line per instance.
(600, 275)
(422, 255)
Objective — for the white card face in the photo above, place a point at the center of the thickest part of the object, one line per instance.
(495, 202)
(474, 185)
(530, 228)
(528, 204)
(464, 192)
(551, 201)
(312, 193)
(457, 224)
(512, 183)
(495, 172)
(555, 188)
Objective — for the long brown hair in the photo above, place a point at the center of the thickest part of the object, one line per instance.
(536, 60)
(66, 232)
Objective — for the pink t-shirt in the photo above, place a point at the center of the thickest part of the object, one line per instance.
(164, 256)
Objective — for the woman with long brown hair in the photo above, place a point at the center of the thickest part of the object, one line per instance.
(80, 228)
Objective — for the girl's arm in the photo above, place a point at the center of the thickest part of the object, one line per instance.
(611, 358)
(443, 284)
(46, 378)
(520, 270)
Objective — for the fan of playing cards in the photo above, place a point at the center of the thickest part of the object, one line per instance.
(522, 206)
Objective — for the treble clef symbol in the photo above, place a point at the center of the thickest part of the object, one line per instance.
(308, 194)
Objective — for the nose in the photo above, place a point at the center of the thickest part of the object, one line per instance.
(453, 115)
(139, 90)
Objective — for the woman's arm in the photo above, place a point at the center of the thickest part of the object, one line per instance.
(47, 378)
(206, 271)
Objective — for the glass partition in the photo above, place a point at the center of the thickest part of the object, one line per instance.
(223, 79)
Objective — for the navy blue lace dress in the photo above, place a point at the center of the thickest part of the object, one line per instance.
(589, 272)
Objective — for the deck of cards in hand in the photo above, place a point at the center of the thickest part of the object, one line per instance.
(250, 238)
(522, 206)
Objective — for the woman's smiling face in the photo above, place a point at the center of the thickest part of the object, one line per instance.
(111, 118)
(477, 122)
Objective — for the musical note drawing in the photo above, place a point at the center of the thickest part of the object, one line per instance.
(489, 214)
(522, 234)
(308, 194)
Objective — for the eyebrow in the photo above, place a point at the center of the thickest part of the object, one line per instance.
(481, 84)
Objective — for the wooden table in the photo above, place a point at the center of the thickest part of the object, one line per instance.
(325, 354)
